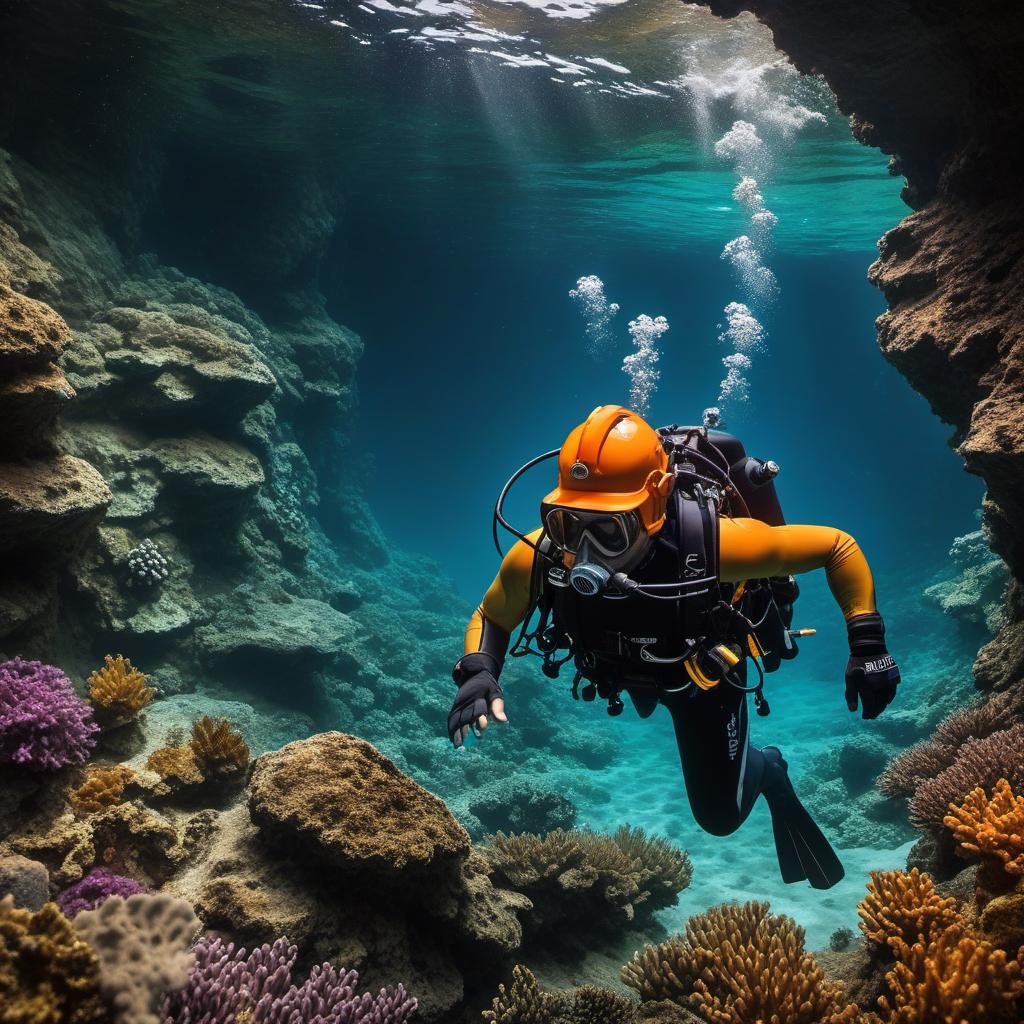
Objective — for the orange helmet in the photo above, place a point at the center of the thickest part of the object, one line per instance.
(614, 462)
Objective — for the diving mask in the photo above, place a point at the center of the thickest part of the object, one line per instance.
(609, 533)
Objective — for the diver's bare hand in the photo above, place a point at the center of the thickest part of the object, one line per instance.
(479, 699)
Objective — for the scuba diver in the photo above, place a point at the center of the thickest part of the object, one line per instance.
(663, 568)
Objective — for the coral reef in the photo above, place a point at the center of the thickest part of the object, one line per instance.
(740, 963)
(975, 721)
(582, 883)
(993, 829)
(903, 908)
(176, 765)
(48, 973)
(44, 724)
(118, 691)
(143, 947)
(514, 806)
(979, 763)
(103, 787)
(955, 977)
(525, 1002)
(226, 983)
(94, 889)
(218, 747)
(976, 597)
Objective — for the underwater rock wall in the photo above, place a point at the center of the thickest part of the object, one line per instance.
(940, 88)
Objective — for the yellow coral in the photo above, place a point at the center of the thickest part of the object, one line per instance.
(176, 764)
(991, 828)
(952, 979)
(903, 908)
(102, 788)
(119, 690)
(739, 964)
(217, 745)
(48, 975)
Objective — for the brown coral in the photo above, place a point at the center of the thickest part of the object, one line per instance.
(523, 1002)
(591, 1004)
(992, 828)
(740, 963)
(979, 763)
(903, 908)
(978, 720)
(102, 788)
(218, 746)
(665, 870)
(48, 974)
(176, 765)
(118, 691)
(954, 978)
(584, 880)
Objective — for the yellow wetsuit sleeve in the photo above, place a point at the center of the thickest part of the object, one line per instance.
(507, 598)
(751, 549)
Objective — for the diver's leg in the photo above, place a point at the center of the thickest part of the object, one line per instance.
(725, 774)
(722, 771)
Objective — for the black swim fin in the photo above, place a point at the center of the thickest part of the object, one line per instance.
(802, 849)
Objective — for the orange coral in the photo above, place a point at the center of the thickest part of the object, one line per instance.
(901, 909)
(102, 788)
(217, 745)
(992, 828)
(118, 690)
(954, 978)
(176, 764)
(740, 963)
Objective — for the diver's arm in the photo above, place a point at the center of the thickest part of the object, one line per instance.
(751, 549)
(487, 637)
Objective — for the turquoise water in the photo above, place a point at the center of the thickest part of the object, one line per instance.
(484, 196)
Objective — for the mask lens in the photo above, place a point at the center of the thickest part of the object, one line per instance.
(610, 533)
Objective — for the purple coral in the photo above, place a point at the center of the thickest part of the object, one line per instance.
(228, 984)
(44, 724)
(92, 890)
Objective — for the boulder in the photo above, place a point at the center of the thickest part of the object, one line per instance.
(339, 801)
(26, 880)
(250, 626)
(47, 504)
(31, 333)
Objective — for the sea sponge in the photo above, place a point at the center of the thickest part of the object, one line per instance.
(44, 724)
(102, 788)
(979, 763)
(143, 947)
(92, 890)
(229, 984)
(992, 828)
(176, 765)
(218, 746)
(954, 978)
(902, 908)
(118, 691)
(524, 1001)
(740, 963)
(48, 974)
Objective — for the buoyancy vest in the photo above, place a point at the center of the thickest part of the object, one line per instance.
(652, 637)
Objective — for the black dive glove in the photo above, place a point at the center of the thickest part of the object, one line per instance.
(478, 686)
(872, 674)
